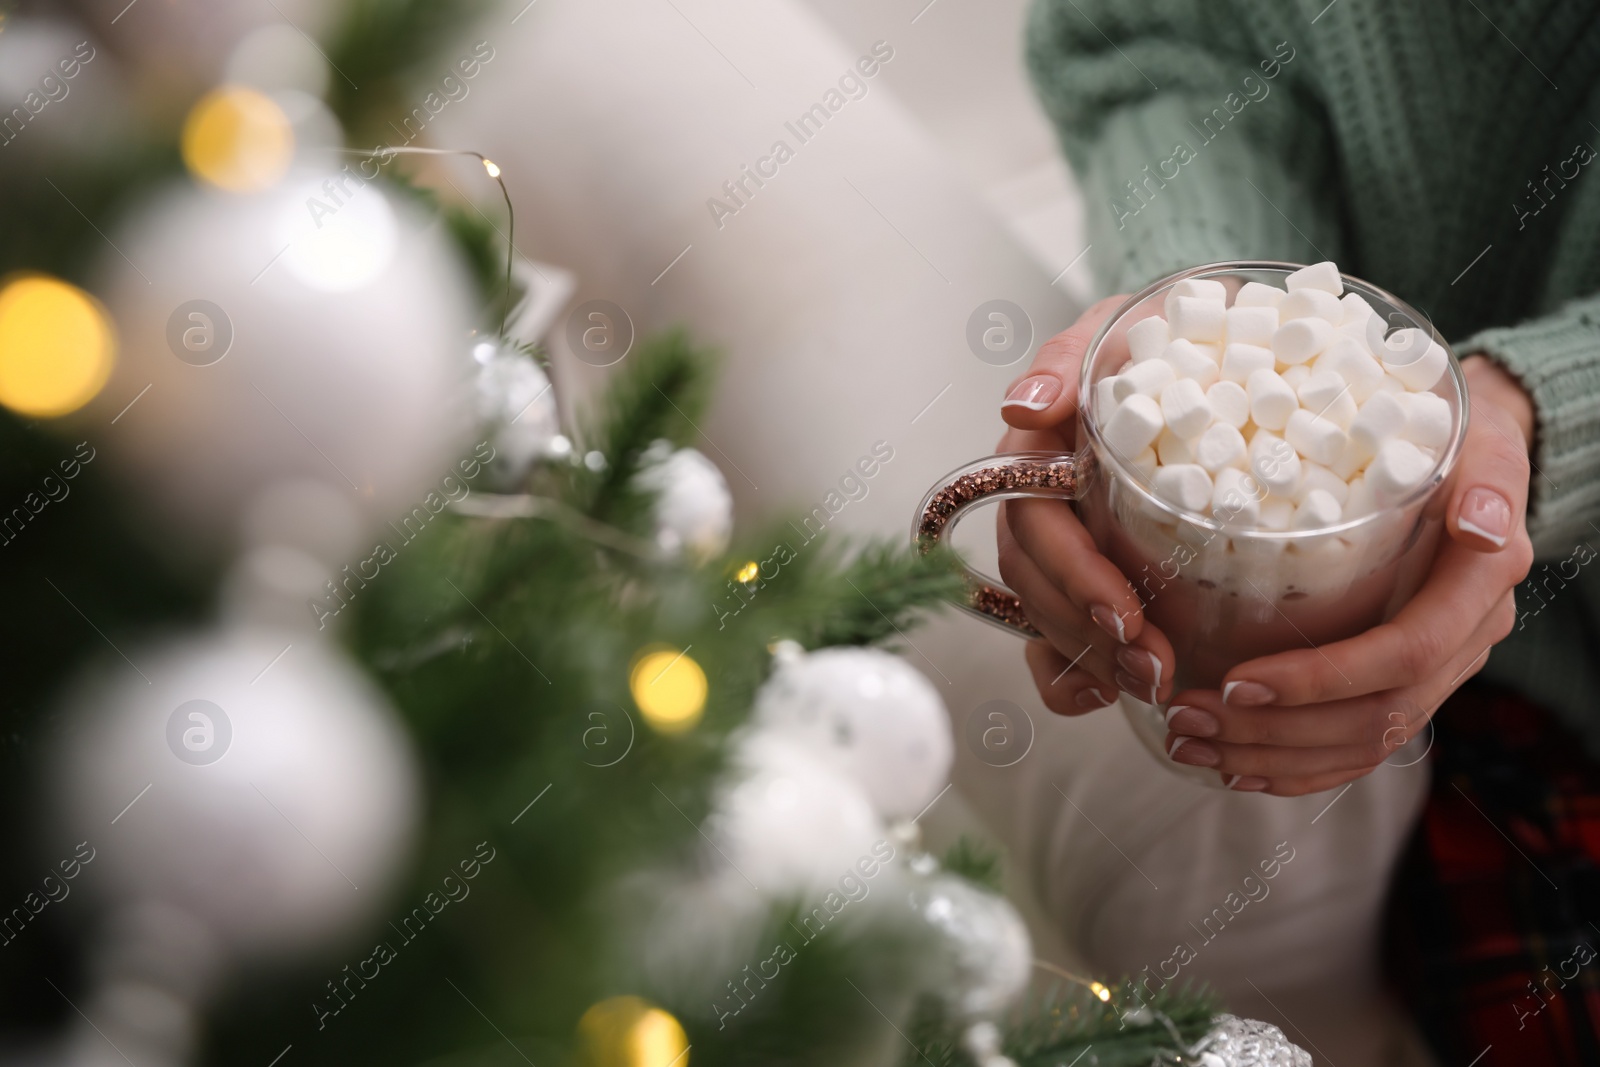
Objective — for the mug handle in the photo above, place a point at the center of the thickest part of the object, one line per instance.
(1055, 475)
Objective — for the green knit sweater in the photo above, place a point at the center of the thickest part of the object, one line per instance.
(1442, 149)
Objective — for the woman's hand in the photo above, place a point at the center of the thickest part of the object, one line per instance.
(1312, 719)
(1096, 637)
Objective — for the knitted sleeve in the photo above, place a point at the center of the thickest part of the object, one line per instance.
(1557, 359)
(1190, 147)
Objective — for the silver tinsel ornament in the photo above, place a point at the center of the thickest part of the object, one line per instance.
(1236, 1042)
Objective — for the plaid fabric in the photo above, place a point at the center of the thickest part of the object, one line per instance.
(1494, 921)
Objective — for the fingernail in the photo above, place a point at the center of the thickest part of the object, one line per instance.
(1035, 394)
(1136, 687)
(1110, 622)
(1246, 783)
(1141, 664)
(1486, 513)
(1194, 753)
(1247, 694)
(1090, 699)
(1196, 722)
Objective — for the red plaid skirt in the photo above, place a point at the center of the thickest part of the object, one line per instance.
(1494, 921)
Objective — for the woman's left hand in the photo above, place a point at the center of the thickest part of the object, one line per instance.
(1312, 719)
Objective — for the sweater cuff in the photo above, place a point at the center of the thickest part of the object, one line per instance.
(1557, 360)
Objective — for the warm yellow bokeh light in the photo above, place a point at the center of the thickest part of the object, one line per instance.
(670, 689)
(1100, 991)
(56, 346)
(492, 167)
(632, 1032)
(748, 572)
(238, 139)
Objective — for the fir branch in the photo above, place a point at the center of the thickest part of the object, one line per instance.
(877, 595)
(975, 861)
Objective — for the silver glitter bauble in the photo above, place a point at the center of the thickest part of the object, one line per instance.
(1236, 1042)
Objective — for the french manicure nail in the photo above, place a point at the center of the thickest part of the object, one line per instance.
(1141, 664)
(1247, 694)
(1137, 688)
(1486, 513)
(1090, 699)
(1109, 621)
(1196, 722)
(1035, 393)
(1246, 783)
(1194, 753)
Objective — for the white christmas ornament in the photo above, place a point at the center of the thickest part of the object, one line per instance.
(694, 509)
(262, 347)
(868, 714)
(516, 405)
(787, 823)
(986, 952)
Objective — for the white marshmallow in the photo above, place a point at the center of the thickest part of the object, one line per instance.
(1391, 384)
(1236, 498)
(1147, 337)
(1184, 407)
(1368, 333)
(1381, 418)
(1105, 396)
(1415, 358)
(1134, 425)
(1229, 403)
(1356, 308)
(1318, 439)
(1145, 463)
(1184, 485)
(1252, 326)
(1299, 340)
(1427, 419)
(1189, 360)
(1360, 501)
(1295, 375)
(1399, 467)
(1199, 288)
(1276, 512)
(1196, 319)
(1317, 510)
(1271, 400)
(1172, 449)
(1321, 388)
(1346, 358)
(1316, 476)
(1322, 276)
(1258, 294)
(1275, 464)
(1240, 361)
(1351, 460)
(1147, 379)
(1311, 304)
(1220, 446)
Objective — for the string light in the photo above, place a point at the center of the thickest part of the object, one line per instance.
(748, 572)
(56, 346)
(632, 1032)
(669, 688)
(237, 139)
(493, 168)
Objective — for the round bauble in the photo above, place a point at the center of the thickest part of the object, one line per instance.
(985, 953)
(787, 824)
(251, 779)
(516, 409)
(316, 331)
(694, 509)
(868, 714)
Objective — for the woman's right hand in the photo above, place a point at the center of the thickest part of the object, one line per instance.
(1096, 638)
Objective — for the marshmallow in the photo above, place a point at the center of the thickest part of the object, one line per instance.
(1239, 361)
(1427, 419)
(1399, 467)
(1381, 419)
(1229, 403)
(1391, 384)
(1295, 375)
(1311, 304)
(1189, 360)
(1184, 407)
(1144, 464)
(1183, 485)
(1147, 337)
(1274, 463)
(1147, 379)
(1196, 319)
(1316, 476)
(1368, 333)
(1105, 396)
(1199, 288)
(1317, 510)
(1352, 459)
(1322, 277)
(1414, 357)
(1320, 388)
(1300, 339)
(1271, 400)
(1258, 295)
(1356, 308)
(1276, 513)
(1318, 439)
(1252, 326)
(1172, 449)
(1236, 498)
(1360, 501)
(1347, 359)
(1220, 446)
(1134, 425)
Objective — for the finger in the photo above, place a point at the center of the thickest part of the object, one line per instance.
(1299, 787)
(1069, 629)
(1049, 534)
(1047, 393)
(1064, 691)
(1462, 589)
(1491, 491)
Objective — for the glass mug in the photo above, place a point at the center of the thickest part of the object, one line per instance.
(1221, 594)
